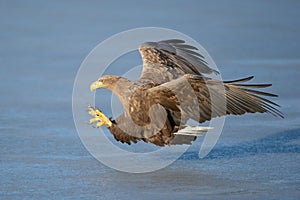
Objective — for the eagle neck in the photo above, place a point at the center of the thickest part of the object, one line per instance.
(123, 91)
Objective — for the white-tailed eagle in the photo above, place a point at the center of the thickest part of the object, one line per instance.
(171, 90)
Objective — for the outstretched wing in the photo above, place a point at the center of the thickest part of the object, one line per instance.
(202, 99)
(169, 59)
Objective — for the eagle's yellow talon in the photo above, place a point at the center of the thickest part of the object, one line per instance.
(93, 120)
(100, 124)
(99, 117)
(99, 112)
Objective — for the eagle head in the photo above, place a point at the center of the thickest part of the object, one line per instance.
(107, 82)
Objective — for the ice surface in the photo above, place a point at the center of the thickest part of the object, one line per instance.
(42, 46)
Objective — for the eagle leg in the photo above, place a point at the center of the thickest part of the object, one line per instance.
(99, 117)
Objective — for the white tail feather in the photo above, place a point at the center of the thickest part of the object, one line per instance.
(193, 130)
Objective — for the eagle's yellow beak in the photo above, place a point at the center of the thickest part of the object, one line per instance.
(95, 85)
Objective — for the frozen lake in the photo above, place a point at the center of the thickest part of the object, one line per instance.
(42, 47)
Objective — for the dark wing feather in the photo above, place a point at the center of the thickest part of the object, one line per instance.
(237, 99)
(133, 134)
(169, 59)
(121, 134)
